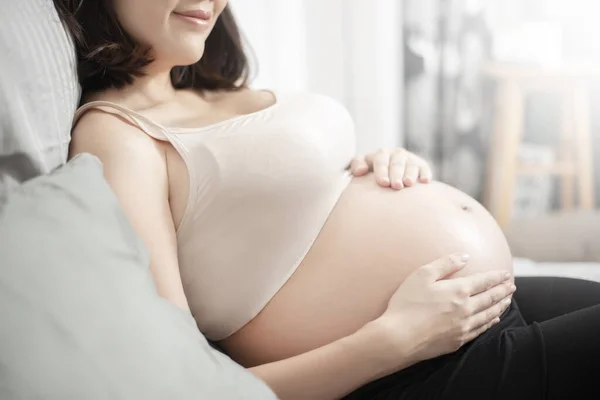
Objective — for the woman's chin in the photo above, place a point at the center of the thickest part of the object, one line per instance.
(187, 55)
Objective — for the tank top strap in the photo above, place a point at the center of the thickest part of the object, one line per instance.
(147, 125)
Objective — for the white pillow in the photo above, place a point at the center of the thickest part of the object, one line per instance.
(39, 91)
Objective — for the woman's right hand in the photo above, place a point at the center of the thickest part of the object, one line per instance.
(429, 316)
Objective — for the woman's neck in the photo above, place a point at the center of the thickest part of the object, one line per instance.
(147, 91)
(153, 88)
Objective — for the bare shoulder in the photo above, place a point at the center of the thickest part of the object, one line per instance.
(109, 135)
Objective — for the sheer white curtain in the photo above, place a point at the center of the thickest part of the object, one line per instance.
(348, 49)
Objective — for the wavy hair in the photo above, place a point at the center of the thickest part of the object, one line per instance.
(108, 57)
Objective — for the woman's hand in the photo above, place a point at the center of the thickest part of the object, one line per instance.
(395, 168)
(429, 316)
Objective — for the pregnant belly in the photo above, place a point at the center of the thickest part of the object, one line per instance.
(372, 241)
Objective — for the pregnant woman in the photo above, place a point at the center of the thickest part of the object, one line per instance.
(316, 273)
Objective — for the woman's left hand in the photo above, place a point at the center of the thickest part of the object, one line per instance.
(395, 168)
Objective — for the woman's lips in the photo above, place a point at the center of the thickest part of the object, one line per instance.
(200, 18)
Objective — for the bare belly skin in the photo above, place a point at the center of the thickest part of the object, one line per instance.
(374, 238)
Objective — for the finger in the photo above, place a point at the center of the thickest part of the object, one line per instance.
(491, 297)
(359, 166)
(445, 266)
(411, 174)
(484, 317)
(425, 174)
(380, 162)
(478, 283)
(397, 169)
(473, 334)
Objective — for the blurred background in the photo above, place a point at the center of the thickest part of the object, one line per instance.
(499, 95)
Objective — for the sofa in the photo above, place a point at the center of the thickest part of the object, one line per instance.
(80, 316)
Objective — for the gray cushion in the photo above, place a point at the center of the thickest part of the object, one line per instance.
(38, 90)
(80, 316)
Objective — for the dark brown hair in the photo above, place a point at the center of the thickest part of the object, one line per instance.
(108, 57)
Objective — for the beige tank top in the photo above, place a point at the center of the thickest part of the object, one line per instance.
(262, 186)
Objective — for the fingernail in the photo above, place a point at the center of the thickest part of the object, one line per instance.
(507, 276)
(385, 180)
(513, 288)
(408, 181)
(506, 301)
(460, 259)
(397, 184)
(495, 320)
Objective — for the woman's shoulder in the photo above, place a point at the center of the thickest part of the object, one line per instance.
(103, 124)
(109, 116)
(110, 136)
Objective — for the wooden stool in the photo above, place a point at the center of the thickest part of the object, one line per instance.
(574, 165)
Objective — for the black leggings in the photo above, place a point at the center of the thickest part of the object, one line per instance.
(546, 347)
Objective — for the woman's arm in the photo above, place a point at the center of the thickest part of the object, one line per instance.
(334, 370)
(426, 317)
(135, 167)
